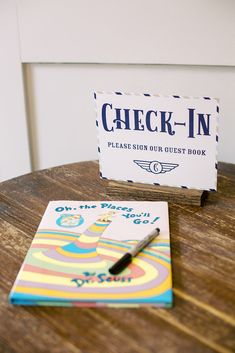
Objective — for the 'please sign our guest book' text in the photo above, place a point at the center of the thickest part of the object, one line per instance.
(160, 140)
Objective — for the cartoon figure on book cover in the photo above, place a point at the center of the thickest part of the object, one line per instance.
(69, 220)
(67, 268)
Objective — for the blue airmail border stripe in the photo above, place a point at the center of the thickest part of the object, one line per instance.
(101, 175)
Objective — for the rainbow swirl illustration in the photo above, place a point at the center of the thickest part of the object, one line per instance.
(67, 268)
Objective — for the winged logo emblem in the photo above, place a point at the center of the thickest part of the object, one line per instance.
(156, 167)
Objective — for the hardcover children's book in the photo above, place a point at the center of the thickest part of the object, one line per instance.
(76, 244)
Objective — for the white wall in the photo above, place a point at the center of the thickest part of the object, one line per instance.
(14, 148)
(62, 109)
(198, 32)
(182, 46)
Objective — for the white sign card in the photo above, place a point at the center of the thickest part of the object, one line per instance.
(155, 139)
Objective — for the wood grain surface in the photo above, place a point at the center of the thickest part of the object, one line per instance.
(148, 192)
(203, 249)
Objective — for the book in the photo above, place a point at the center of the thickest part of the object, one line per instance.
(77, 242)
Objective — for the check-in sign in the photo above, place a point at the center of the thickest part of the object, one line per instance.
(161, 140)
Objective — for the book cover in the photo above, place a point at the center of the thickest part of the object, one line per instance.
(78, 241)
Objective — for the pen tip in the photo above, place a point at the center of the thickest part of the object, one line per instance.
(158, 229)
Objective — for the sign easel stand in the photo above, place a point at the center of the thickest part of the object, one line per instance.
(147, 192)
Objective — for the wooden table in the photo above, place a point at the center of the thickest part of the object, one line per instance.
(202, 241)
